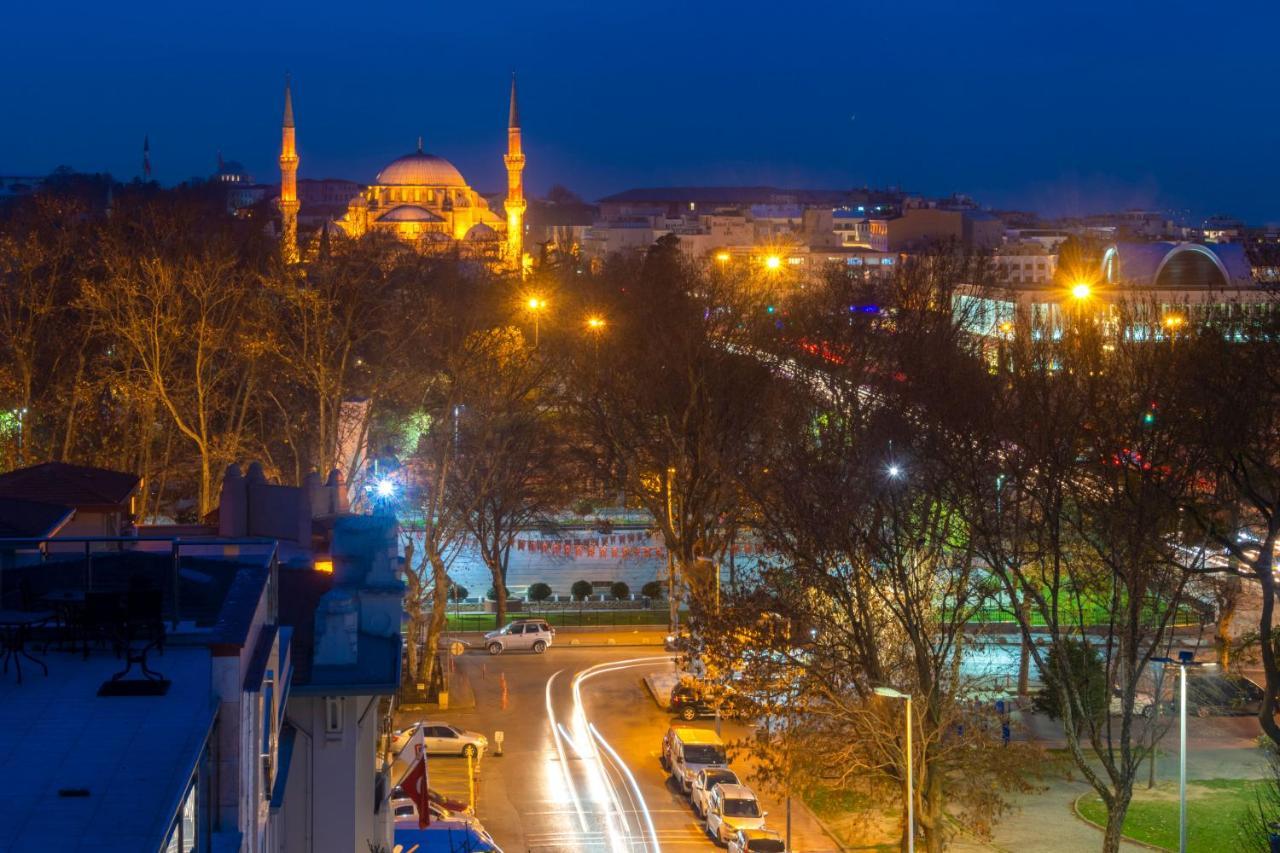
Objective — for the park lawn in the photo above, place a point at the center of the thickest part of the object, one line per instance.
(1216, 809)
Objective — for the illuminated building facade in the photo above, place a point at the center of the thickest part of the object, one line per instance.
(422, 199)
(1163, 287)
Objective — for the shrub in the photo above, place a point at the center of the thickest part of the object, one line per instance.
(1088, 673)
(539, 592)
(492, 594)
(580, 589)
(584, 508)
(653, 589)
(619, 590)
(457, 592)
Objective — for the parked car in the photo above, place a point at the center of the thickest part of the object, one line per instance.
(686, 750)
(444, 836)
(707, 779)
(443, 739)
(757, 841)
(690, 702)
(1144, 704)
(677, 642)
(434, 796)
(1211, 693)
(531, 634)
(731, 808)
(404, 807)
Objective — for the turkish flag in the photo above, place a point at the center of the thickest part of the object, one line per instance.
(415, 788)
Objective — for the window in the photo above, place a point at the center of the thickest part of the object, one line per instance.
(333, 716)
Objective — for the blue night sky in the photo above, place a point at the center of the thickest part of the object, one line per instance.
(1061, 108)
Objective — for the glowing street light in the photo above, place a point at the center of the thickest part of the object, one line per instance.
(894, 471)
(536, 306)
(595, 326)
(773, 262)
(1081, 290)
(890, 693)
(722, 257)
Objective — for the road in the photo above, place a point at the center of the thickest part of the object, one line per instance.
(580, 766)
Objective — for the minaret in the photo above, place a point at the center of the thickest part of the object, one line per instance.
(288, 182)
(515, 203)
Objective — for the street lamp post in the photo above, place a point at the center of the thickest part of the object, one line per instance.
(890, 693)
(536, 307)
(1185, 659)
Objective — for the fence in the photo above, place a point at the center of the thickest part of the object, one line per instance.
(567, 616)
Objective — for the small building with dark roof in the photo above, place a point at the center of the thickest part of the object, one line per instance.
(102, 499)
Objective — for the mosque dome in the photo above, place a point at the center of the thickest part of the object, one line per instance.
(421, 170)
(409, 213)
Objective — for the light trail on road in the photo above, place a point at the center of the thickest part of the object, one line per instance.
(596, 757)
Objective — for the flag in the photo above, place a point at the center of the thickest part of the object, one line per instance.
(414, 784)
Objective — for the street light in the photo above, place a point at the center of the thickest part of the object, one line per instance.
(890, 693)
(773, 262)
(536, 306)
(1185, 659)
(1081, 290)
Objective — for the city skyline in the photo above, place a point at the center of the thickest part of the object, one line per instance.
(998, 102)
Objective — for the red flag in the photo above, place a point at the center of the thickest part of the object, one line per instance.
(415, 788)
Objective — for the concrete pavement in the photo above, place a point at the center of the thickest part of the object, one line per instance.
(530, 797)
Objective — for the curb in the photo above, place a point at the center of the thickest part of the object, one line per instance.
(1075, 811)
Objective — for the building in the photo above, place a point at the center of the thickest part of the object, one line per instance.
(1026, 263)
(273, 689)
(916, 228)
(1163, 287)
(182, 760)
(102, 501)
(420, 198)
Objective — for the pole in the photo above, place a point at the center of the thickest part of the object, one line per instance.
(911, 797)
(1182, 762)
(789, 817)
(674, 616)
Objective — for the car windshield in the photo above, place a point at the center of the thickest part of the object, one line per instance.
(716, 777)
(741, 808)
(704, 754)
(766, 845)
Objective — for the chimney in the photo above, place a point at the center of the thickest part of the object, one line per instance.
(233, 504)
(337, 629)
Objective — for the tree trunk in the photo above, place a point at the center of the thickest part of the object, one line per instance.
(413, 607)
(1226, 614)
(439, 612)
(1024, 654)
(1114, 832)
(930, 810)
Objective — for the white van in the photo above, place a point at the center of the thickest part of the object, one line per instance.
(686, 750)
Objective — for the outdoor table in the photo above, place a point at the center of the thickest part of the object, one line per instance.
(15, 630)
(68, 607)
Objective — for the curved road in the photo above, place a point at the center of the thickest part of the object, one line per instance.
(580, 770)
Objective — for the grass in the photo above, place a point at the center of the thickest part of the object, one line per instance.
(1216, 809)
(562, 618)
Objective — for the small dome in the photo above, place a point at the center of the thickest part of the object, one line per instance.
(409, 213)
(480, 231)
(421, 170)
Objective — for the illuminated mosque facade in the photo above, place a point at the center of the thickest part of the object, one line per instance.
(420, 198)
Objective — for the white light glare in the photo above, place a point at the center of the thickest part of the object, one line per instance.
(384, 488)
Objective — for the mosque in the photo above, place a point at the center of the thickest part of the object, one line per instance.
(420, 198)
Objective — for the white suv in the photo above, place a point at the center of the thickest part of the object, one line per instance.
(704, 782)
(731, 808)
(533, 634)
